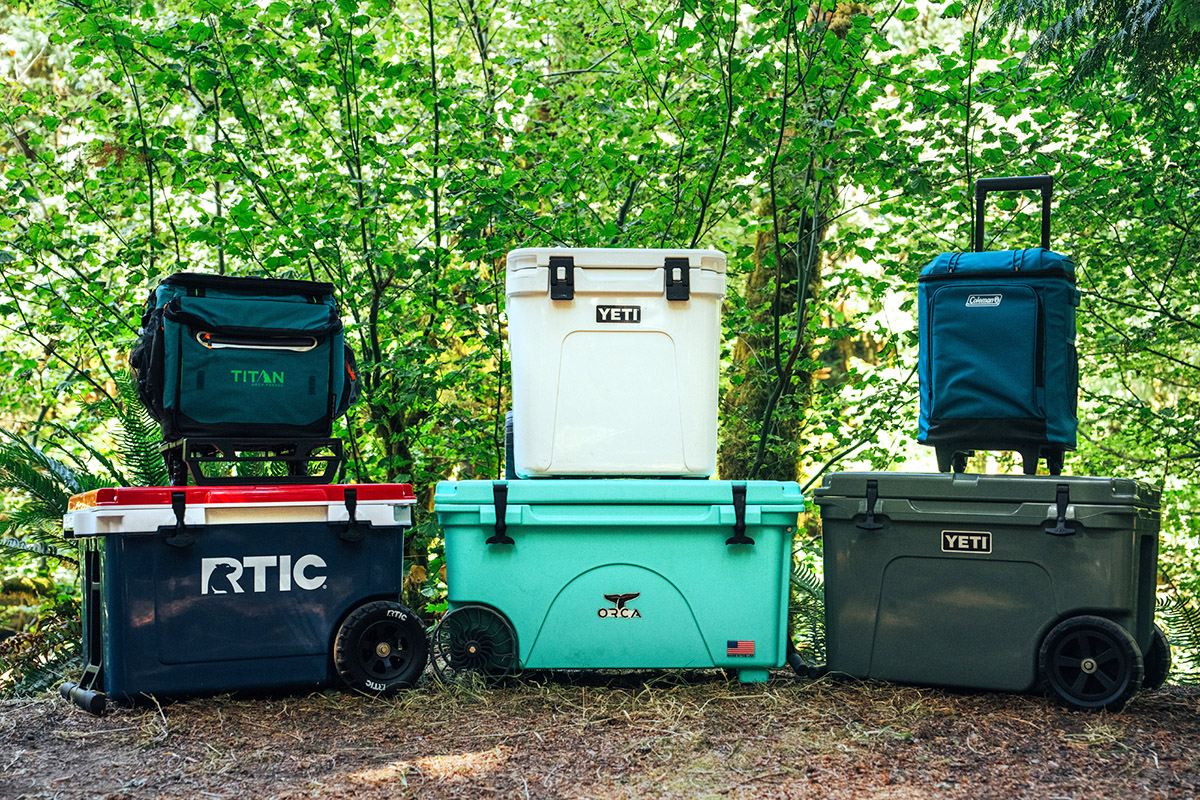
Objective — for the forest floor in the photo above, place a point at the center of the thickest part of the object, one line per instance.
(673, 736)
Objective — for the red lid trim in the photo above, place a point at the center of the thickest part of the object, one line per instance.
(210, 495)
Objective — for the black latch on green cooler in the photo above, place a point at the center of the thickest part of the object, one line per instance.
(500, 500)
(677, 288)
(1062, 499)
(739, 516)
(562, 288)
(869, 524)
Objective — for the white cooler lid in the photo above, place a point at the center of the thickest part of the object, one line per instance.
(614, 258)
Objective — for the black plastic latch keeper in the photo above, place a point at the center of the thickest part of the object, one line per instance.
(181, 537)
(677, 289)
(353, 531)
(1062, 498)
(869, 524)
(739, 516)
(500, 499)
(562, 288)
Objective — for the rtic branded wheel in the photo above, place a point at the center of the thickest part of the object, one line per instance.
(381, 647)
(474, 639)
(1091, 664)
(1157, 660)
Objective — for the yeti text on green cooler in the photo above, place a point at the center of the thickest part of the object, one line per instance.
(254, 376)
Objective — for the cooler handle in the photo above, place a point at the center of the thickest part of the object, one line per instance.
(1042, 183)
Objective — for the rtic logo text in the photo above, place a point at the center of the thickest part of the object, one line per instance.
(966, 542)
(618, 313)
(620, 611)
(257, 377)
(984, 300)
(224, 575)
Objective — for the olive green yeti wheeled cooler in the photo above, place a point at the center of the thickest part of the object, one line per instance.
(998, 582)
(615, 574)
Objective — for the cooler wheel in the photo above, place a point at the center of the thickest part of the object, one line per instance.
(1091, 664)
(474, 639)
(381, 647)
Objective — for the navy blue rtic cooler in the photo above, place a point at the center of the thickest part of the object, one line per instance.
(207, 589)
(997, 362)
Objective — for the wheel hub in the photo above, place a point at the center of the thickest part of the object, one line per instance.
(383, 649)
(1089, 665)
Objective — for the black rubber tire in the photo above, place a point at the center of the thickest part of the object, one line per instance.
(380, 647)
(1090, 664)
(1157, 660)
(474, 639)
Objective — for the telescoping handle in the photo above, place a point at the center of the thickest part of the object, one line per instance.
(1043, 183)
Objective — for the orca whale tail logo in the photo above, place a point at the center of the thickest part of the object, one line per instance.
(619, 600)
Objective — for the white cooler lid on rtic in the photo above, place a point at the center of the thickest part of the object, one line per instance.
(603, 259)
(140, 509)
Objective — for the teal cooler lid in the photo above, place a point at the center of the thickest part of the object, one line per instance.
(618, 491)
(990, 488)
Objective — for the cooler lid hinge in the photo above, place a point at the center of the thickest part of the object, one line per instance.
(562, 288)
(676, 278)
(181, 536)
(500, 499)
(869, 524)
(739, 516)
(1062, 500)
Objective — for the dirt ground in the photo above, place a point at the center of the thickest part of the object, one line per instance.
(661, 736)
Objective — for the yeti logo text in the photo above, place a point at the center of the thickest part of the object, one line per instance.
(620, 611)
(984, 300)
(618, 313)
(224, 575)
(966, 542)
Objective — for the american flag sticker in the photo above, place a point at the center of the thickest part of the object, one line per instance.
(739, 648)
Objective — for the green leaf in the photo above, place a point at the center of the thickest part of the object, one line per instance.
(907, 14)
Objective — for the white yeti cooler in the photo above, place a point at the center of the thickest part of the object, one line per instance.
(614, 360)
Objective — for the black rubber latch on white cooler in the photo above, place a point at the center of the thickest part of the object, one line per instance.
(562, 288)
(869, 524)
(1062, 498)
(677, 288)
(353, 531)
(500, 500)
(181, 536)
(739, 516)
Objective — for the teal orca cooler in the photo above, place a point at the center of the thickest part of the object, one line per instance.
(997, 582)
(616, 574)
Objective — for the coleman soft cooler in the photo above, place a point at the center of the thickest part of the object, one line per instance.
(616, 574)
(993, 582)
(614, 361)
(201, 590)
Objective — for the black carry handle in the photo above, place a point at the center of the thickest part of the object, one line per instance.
(1043, 183)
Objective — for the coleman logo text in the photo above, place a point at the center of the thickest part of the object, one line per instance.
(984, 300)
(229, 575)
(619, 609)
(966, 542)
(618, 313)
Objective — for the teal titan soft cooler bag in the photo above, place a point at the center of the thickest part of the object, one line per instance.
(243, 357)
(616, 574)
(1001, 582)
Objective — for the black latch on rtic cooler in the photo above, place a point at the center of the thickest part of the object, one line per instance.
(676, 282)
(180, 536)
(562, 288)
(353, 532)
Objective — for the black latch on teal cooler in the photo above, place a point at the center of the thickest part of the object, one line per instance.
(739, 516)
(500, 501)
